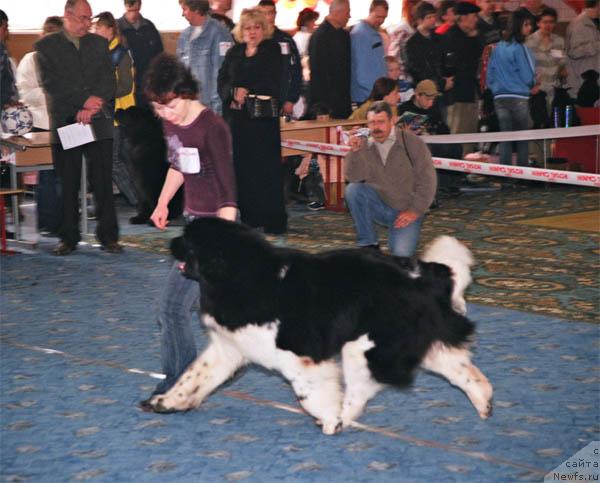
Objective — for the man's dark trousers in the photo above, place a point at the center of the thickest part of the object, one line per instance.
(67, 164)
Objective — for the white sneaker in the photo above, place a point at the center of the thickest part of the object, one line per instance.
(315, 206)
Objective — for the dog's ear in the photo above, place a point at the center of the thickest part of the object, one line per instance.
(178, 248)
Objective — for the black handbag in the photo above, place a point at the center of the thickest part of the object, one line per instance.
(539, 111)
(262, 107)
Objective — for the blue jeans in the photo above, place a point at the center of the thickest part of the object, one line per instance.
(367, 208)
(48, 201)
(180, 298)
(513, 115)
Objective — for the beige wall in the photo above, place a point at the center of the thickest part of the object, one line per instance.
(21, 43)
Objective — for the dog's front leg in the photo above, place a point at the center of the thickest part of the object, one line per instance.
(360, 385)
(456, 366)
(317, 387)
(210, 369)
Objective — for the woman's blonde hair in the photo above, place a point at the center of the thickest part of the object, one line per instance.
(252, 15)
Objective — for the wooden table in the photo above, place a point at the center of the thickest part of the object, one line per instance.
(5, 192)
(323, 132)
(33, 152)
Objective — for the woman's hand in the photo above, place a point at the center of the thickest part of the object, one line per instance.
(227, 213)
(159, 217)
(239, 95)
(288, 108)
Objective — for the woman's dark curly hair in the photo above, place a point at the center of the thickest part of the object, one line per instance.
(167, 78)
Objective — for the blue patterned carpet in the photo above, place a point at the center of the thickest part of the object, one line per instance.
(72, 329)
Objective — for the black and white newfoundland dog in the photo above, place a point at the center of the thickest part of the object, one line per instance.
(370, 318)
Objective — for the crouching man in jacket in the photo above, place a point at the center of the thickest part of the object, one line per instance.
(392, 182)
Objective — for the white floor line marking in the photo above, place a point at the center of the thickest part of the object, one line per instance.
(46, 351)
(155, 375)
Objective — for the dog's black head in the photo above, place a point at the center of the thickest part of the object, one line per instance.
(589, 92)
(129, 116)
(139, 124)
(216, 250)
(590, 75)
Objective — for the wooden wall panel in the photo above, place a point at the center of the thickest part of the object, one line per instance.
(19, 43)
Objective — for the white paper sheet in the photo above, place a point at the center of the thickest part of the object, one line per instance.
(189, 160)
(75, 135)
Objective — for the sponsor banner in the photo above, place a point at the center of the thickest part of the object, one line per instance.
(315, 147)
(488, 169)
(519, 172)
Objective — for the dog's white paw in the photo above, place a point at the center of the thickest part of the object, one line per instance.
(485, 412)
(482, 399)
(330, 427)
(484, 403)
(156, 404)
(166, 403)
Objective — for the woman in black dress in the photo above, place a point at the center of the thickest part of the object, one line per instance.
(253, 68)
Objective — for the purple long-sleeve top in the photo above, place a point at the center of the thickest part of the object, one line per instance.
(214, 186)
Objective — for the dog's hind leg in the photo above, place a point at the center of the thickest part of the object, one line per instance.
(360, 386)
(210, 369)
(317, 387)
(456, 366)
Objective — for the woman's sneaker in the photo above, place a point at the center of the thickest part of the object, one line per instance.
(315, 206)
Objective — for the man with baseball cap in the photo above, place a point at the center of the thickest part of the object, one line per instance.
(421, 115)
(427, 88)
(391, 182)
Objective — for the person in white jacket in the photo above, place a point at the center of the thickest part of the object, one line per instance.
(32, 95)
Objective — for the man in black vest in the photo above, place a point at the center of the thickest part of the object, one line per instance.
(79, 79)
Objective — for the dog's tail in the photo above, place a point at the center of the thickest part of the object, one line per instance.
(449, 251)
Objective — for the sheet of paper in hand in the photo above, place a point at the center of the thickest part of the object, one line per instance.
(74, 135)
